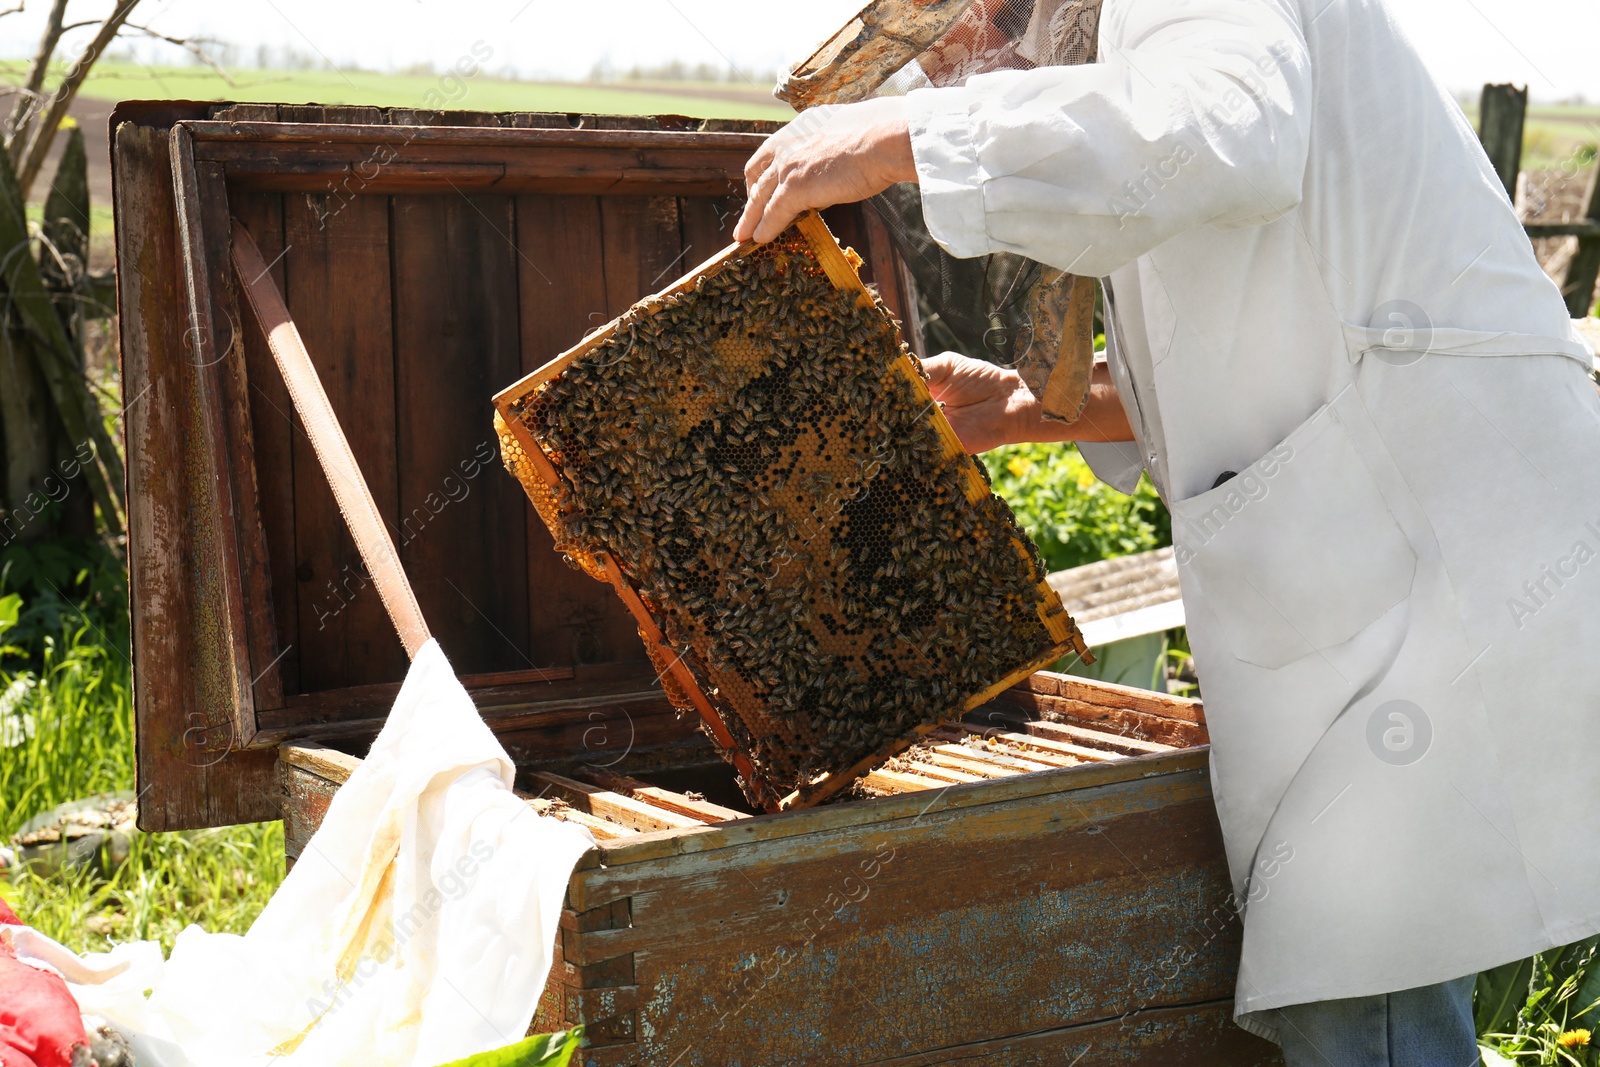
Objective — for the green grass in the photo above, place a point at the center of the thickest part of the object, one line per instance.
(64, 667)
(125, 81)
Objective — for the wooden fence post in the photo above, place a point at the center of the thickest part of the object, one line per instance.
(1501, 111)
(1584, 267)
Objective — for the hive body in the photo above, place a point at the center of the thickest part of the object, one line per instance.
(753, 458)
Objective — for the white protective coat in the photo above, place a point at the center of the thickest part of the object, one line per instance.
(1318, 283)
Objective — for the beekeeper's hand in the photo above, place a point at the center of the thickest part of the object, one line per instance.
(989, 406)
(829, 155)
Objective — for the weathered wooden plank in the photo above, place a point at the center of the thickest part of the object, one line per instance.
(1082, 735)
(1018, 760)
(533, 689)
(330, 114)
(337, 268)
(902, 781)
(1111, 695)
(599, 828)
(1501, 111)
(619, 132)
(304, 794)
(654, 848)
(187, 776)
(1537, 230)
(535, 726)
(1045, 746)
(943, 772)
(608, 805)
(708, 223)
(699, 810)
(573, 619)
(201, 203)
(1126, 881)
(1578, 287)
(327, 763)
(1200, 1035)
(951, 757)
(272, 426)
(1025, 750)
(643, 243)
(462, 531)
(259, 613)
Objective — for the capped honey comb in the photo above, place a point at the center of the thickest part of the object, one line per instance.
(753, 460)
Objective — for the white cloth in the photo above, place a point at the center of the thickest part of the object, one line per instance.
(1317, 281)
(416, 927)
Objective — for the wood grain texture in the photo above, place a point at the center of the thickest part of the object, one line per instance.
(699, 810)
(187, 775)
(572, 619)
(463, 524)
(1202, 1035)
(273, 430)
(263, 636)
(337, 269)
(598, 801)
(707, 224)
(219, 446)
(642, 238)
(327, 763)
(1074, 907)
(1109, 694)
(304, 793)
(650, 848)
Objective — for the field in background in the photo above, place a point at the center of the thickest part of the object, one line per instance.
(1555, 135)
(112, 81)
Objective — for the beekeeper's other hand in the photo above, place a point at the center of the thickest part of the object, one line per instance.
(989, 405)
(829, 155)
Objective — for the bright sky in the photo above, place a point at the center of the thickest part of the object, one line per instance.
(1551, 45)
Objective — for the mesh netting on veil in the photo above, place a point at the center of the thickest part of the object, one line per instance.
(1002, 307)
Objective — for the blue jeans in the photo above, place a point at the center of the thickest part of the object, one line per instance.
(1430, 1026)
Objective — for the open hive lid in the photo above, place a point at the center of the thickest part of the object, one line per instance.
(752, 459)
(428, 258)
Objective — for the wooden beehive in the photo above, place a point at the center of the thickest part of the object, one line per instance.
(428, 259)
(753, 459)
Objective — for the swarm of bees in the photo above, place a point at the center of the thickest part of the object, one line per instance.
(759, 456)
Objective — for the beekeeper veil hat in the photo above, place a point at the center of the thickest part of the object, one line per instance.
(1003, 307)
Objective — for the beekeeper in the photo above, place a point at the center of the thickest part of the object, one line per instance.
(1330, 346)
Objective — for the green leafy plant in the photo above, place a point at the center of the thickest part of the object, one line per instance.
(63, 586)
(546, 1050)
(10, 612)
(1072, 516)
(1542, 1010)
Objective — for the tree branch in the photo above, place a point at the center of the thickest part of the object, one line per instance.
(28, 102)
(192, 45)
(44, 133)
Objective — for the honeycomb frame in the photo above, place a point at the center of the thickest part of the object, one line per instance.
(841, 542)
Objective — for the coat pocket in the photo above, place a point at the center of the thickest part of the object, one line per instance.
(1299, 552)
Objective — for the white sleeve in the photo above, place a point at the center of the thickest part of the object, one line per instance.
(1198, 113)
(1117, 463)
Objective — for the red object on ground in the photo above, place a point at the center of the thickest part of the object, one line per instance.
(40, 1023)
